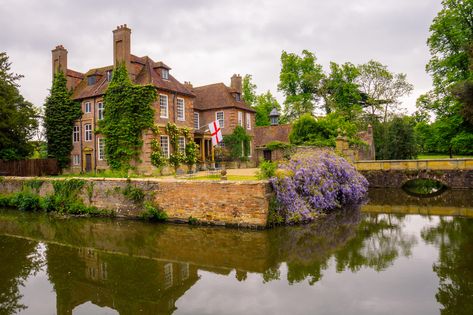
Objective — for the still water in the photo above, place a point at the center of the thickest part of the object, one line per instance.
(398, 255)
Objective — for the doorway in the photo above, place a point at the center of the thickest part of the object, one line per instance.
(88, 162)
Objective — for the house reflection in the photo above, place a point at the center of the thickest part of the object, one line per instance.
(126, 284)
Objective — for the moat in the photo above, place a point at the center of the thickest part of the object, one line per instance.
(399, 254)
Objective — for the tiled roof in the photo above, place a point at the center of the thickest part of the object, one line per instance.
(216, 96)
(266, 134)
(143, 71)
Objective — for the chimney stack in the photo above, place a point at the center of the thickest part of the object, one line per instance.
(235, 82)
(59, 59)
(122, 46)
(188, 85)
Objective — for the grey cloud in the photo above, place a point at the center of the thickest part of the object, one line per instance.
(206, 41)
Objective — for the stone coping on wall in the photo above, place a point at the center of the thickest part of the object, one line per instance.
(220, 202)
(434, 164)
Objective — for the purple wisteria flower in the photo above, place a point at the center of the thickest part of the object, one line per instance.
(316, 182)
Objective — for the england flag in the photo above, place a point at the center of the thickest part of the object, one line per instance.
(216, 132)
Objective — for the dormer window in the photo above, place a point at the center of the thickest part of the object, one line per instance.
(91, 80)
(237, 97)
(165, 74)
(109, 75)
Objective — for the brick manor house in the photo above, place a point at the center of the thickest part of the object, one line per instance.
(179, 103)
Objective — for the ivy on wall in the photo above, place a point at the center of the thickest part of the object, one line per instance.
(238, 144)
(60, 112)
(128, 112)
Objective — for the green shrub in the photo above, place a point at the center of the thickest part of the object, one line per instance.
(133, 193)
(153, 212)
(267, 169)
(26, 201)
(193, 221)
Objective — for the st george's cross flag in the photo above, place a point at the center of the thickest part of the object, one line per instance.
(216, 132)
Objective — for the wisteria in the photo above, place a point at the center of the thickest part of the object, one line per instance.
(316, 182)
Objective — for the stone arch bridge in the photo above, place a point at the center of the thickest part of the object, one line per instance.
(454, 173)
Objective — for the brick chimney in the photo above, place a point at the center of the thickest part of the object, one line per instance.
(121, 46)
(235, 82)
(59, 59)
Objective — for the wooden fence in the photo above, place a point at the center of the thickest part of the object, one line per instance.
(35, 167)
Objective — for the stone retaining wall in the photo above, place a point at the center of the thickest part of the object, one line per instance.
(234, 203)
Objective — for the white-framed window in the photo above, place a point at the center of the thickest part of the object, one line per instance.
(219, 117)
(181, 112)
(163, 106)
(100, 109)
(196, 120)
(164, 141)
(87, 107)
(165, 74)
(88, 132)
(101, 148)
(181, 145)
(168, 275)
(248, 121)
(76, 134)
(76, 159)
(240, 119)
(109, 75)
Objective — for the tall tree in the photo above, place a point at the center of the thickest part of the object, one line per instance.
(248, 90)
(264, 105)
(300, 79)
(60, 112)
(341, 92)
(382, 88)
(18, 121)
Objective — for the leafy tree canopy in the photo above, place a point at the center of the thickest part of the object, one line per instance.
(17, 116)
(248, 90)
(300, 81)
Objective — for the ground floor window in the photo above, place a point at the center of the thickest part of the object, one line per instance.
(101, 148)
(182, 145)
(165, 146)
(76, 159)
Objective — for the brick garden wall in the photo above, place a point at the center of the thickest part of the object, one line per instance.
(234, 203)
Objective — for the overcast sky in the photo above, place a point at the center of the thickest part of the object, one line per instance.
(207, 41)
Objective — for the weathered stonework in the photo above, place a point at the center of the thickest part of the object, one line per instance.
(234, 203)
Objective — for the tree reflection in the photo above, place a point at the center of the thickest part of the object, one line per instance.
(18, 259)
(373, 241)
(454, 237)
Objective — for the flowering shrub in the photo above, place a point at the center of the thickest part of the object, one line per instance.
(312, 183)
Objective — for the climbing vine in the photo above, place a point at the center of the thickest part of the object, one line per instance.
(127, 114)
(60, 112)
(176, 157)
(238, 143)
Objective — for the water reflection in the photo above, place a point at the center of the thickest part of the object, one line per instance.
(137, 268)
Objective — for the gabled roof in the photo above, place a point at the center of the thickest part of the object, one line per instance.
(143, 71)
(217, 95)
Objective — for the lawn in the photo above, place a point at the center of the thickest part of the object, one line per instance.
(442, 156)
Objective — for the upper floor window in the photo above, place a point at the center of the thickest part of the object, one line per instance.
(240, 119)
(163, 106)
(237, 97)
(181, 145)
(109, 75)
(88, 132)
(91, 80)
(248, 121)
(76, 134)
(101, 148)
(88, 107)
(219, 117)
(181, 112)
(196, 120)
(164, 141)
(100, 110)
(165, 74)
